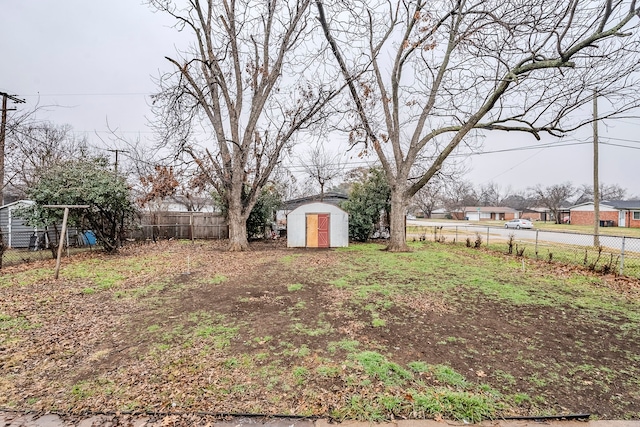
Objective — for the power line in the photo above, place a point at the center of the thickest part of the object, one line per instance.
(516, 165)
(541, 147)
(300, 168)
(622, 139)
(108, 131)
(506, 150)
(525, 148)
(116, 164)
(92, 94)
(620, 145)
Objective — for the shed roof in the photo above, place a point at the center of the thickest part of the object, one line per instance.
(314, 206)
(489, 209)
(330, 197)
(536, 209)
(17, 202)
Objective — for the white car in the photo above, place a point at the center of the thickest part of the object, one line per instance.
(518, 224)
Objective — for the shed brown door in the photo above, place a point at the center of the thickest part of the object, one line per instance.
(323, 230)
(312, 230)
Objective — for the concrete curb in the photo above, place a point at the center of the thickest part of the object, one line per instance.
(17, 419)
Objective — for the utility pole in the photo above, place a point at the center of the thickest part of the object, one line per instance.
(596, 183)
(3, 129)
(116, 164)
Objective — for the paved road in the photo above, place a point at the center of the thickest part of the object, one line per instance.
(614, 243)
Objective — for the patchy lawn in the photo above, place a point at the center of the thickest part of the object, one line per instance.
(358, 333)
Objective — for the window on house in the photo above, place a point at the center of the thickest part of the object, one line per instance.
(636, 215)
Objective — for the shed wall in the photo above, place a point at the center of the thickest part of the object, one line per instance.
(15, 233)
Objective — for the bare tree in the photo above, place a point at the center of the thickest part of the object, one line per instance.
(426, 76)
(194, 192)
(519, 201)
(607, 192)
(430, 196)
(554, 197)
(492, 194)
(34, 146)
(157, 178)
(322, 166)
(459, 194)
(238, 97)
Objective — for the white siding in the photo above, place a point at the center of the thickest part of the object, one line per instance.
(15, 232)
(338, 225)
(473, 216)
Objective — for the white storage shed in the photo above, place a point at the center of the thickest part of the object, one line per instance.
(317, 225)
(15, 232)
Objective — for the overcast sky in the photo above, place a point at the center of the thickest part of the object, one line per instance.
(95, 61)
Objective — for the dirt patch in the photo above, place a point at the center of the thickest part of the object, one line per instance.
(191, 327)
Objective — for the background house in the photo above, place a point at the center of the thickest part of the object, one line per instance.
(484, 213)
(440, 213)
(537, 214)
(181, 203)
(614, 213)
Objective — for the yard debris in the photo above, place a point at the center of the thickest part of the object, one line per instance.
(131, 333)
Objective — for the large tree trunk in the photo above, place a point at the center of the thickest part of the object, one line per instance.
(237, 224)
(237, 233)
(398, 238)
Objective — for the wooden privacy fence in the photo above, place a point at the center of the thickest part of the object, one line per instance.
(183, 225)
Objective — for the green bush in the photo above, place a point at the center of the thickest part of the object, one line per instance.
(83, 182)
(369, 198)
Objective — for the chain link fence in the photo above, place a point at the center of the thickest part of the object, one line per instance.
(20, 245)
(614, 254)
(609, 254)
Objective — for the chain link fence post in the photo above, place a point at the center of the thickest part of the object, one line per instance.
(622, 256)
(487, 236)
(537, 231)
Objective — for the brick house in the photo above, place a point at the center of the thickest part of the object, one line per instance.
(482, 213)
(537, 214)
(616, 213)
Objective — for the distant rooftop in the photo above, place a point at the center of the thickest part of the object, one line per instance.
(623, 204)
(490, 209)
